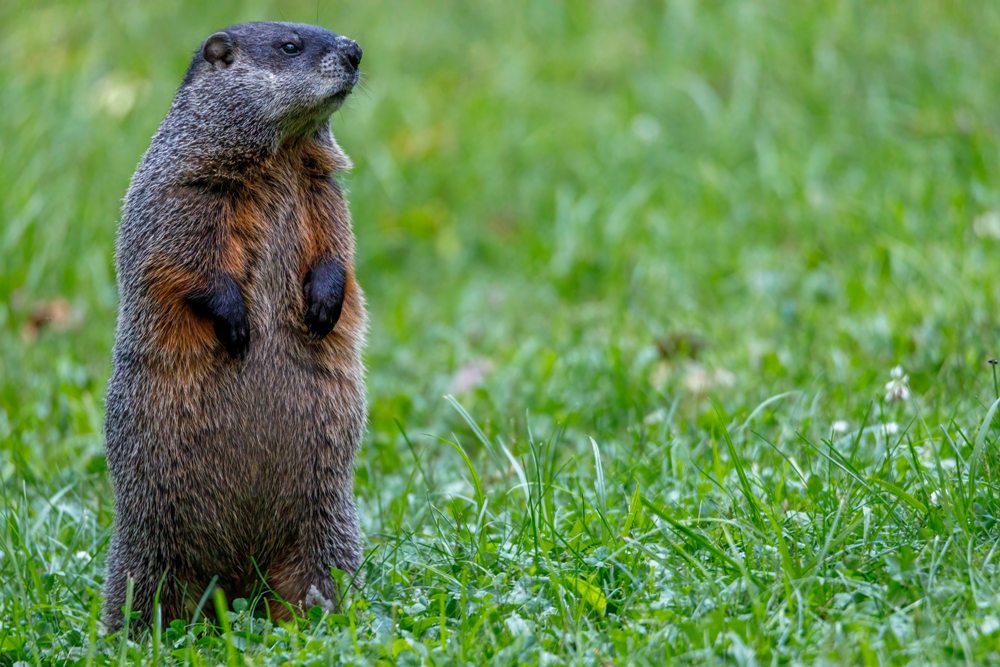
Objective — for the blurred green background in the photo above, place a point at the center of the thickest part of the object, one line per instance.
(627, 221)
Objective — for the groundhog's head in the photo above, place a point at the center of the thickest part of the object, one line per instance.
(291, 73)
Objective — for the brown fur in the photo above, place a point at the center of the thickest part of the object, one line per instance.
(235, 469)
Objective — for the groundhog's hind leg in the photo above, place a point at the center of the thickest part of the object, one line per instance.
(336, 538)
(115, 589)
(302, 576)
(151, 584)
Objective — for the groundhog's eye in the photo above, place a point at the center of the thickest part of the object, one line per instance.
(291, 48)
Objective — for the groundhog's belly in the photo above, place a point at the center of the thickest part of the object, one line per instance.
(280, 415)
(238, 448)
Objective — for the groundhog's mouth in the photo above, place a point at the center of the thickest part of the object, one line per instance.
(337, 98)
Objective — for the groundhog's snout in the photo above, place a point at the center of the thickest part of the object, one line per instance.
(351, 51)
(341, 63)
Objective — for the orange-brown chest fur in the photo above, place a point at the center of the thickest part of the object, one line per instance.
(270, 230)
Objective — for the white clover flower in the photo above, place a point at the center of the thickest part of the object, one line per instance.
(840, 426)
(797, 516)
(935, 498)
(890, 428)
(898, 388)
(518, 626)
(646, 128)
(987, 225)
(657, 416)
(82, 556)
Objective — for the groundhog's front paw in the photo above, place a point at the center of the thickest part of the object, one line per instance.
(221, 301)
(322, 316)
(324, 292)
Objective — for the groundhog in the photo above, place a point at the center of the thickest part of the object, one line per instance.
(236, 402)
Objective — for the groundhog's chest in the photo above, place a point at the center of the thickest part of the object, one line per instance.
(275, 240)
(276, 260)
(266, 238)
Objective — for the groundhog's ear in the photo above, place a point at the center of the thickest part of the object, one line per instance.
(219, 50)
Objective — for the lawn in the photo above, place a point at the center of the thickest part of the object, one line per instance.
(639, 276)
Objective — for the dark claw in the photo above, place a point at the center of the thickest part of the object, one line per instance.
(234, 334)
(324, 292)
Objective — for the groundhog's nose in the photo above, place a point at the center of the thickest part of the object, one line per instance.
(351, 51)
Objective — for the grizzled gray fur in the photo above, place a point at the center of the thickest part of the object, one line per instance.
(236, 403)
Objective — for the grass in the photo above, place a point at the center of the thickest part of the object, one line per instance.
(638, 274)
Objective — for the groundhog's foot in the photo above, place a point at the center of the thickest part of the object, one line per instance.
(324, 291)
(316, 599)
